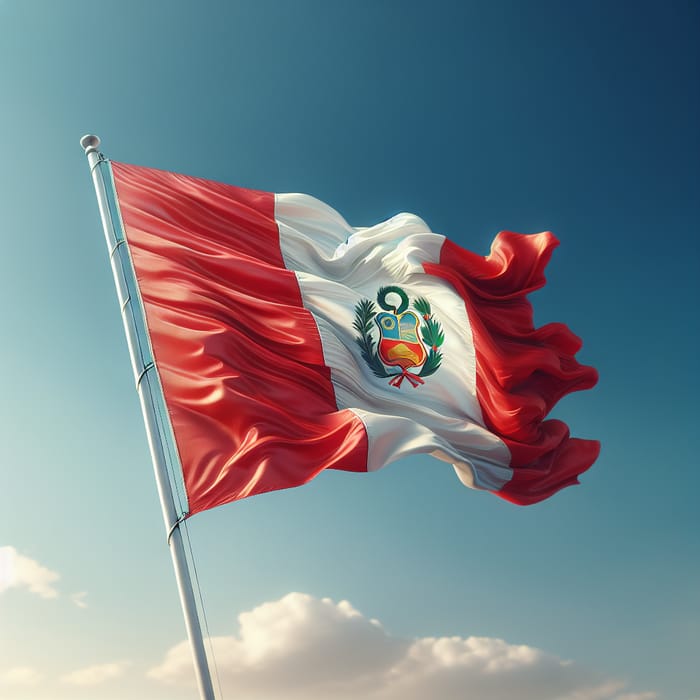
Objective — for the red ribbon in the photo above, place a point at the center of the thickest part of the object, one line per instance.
(413, 379)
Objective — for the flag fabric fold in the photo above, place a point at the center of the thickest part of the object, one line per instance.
(288, 342)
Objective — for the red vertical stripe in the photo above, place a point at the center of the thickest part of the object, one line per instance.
(522, 371)
(240, 359)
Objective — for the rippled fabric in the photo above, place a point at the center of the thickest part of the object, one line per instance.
(337, 267)
(251, 305)
(522, 371)
(237, 353)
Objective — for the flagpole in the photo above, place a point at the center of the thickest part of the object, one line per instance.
(150, 396)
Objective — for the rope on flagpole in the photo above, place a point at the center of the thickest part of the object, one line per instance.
(177, 523)
(172, 459)
(158, 428)
(148, 366)
(201, 605)
(116, 248)
(181, 524)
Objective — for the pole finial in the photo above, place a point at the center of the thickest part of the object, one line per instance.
(90, 142)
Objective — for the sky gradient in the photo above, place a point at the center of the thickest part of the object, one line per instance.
(477, 116)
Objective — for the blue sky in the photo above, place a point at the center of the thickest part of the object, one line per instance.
(580, 118)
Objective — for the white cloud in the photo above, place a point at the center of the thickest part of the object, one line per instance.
(94, 675)
(18, 571)
(304, 647)
(20, 675)
(638, 696)
(79, 599)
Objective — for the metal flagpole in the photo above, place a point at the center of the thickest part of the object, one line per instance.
(150, 395)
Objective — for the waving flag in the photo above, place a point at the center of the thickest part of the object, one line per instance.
(288, 342)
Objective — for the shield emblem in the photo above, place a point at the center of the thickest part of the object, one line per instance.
(406, 340)
(399, 344)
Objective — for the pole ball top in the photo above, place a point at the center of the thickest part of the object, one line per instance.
(90, 142)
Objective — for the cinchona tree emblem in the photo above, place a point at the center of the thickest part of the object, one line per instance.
(407, 341)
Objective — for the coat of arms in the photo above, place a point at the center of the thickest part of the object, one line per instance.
(407, 340)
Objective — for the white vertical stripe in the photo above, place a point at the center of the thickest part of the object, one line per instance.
(337, 266)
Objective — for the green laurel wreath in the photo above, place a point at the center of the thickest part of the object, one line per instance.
(431, 333)
(365, 311)
(382, 295)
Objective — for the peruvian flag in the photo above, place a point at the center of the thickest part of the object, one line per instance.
(288, 342)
